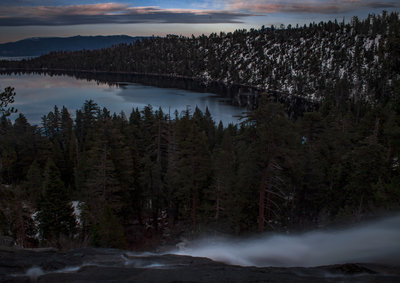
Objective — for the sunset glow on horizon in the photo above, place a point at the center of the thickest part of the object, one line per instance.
(21, 19)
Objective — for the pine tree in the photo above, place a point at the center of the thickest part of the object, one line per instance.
(224, 158)
(7, 97)
(108, 232)
(55, 211)
(273, 138)
(192, 168)
(33, 186)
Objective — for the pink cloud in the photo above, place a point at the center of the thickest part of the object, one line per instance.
(110, 13)
(48, 11)
(310, 6)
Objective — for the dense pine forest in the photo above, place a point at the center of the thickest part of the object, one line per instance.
(359, 59)
(140, 179)
(151, 177)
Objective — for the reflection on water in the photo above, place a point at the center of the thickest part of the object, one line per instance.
(37, 95)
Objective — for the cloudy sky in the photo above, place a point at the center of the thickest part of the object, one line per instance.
(36, 18)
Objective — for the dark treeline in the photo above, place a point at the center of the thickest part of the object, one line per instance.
(359, 59)
(152, 176)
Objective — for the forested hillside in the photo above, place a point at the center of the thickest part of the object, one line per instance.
(360, 59)
(126, 181)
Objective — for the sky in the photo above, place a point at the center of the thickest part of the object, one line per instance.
(21, 19)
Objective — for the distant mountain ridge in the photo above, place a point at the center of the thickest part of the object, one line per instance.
(37, 46)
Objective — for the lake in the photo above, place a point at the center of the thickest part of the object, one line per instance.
(17, 58)
(38, 93)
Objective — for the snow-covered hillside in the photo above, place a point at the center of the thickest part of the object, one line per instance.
(360, 59)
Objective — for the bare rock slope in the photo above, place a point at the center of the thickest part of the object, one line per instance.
(109, 265)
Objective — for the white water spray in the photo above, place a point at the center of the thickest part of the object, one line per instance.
(377, 242)
(34, 273)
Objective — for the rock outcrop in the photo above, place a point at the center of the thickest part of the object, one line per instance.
(110, 265)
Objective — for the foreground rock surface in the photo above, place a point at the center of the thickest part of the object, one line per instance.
(109, 265)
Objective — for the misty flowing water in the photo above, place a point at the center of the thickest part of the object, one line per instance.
(377, 242)
(373, 247)
(37, 94)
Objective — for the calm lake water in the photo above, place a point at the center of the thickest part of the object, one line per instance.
(37, 94)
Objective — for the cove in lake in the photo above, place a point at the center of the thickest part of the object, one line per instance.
(38, 93)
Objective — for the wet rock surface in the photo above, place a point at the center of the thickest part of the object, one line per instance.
(109, 265)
